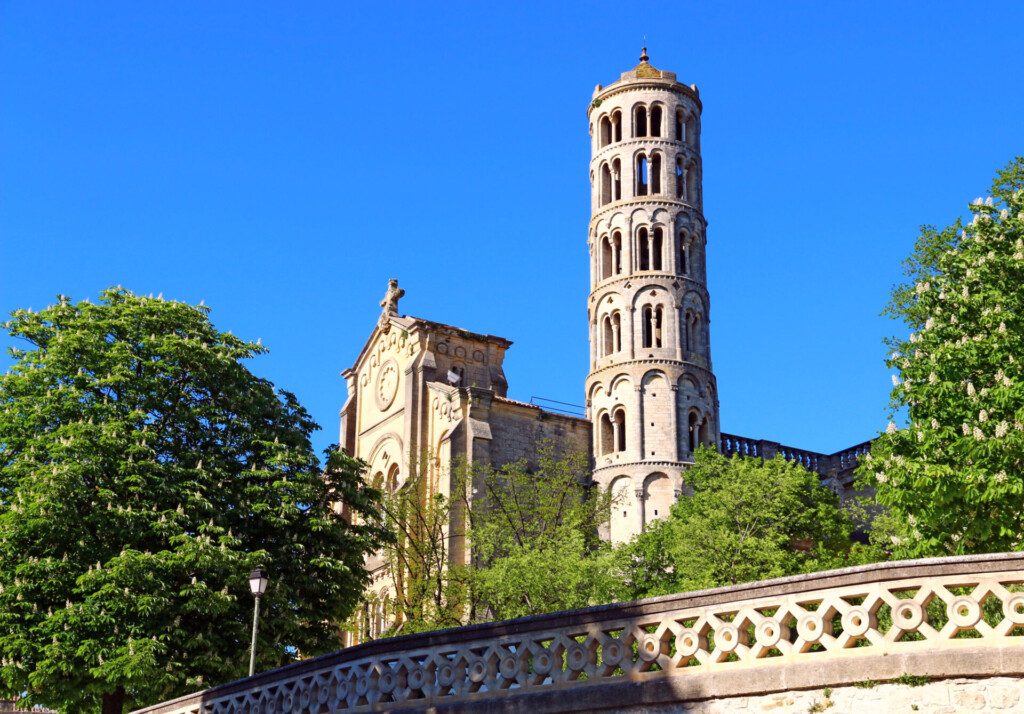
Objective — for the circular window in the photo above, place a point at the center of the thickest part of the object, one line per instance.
(387, 384)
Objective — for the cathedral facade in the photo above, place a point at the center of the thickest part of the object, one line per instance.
(423, 394)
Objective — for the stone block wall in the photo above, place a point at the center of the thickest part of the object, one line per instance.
(517, 429)
(947, 696)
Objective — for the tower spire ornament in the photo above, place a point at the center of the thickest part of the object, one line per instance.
(389, 305)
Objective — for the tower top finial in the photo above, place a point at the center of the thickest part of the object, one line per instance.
(643, 55)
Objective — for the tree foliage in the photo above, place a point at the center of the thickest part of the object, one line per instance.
(429, 588)
(143, 472)
(953, 480)
(747, 519)
(531, 535)
(535, 536)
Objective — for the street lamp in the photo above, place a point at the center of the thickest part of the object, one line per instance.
(258, 584)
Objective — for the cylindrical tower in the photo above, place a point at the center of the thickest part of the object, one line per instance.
(651, 394)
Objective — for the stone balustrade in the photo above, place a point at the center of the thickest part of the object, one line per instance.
(839, 464)
(938, 618)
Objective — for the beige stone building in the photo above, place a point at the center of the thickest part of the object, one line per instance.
(422, 394)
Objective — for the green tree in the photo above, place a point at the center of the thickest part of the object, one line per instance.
(143, 471)
(953, 479)
(747, 519)
(532, 536)
(535, 537)
(429, 587)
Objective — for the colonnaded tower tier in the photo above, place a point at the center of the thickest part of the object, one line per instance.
(651, 393)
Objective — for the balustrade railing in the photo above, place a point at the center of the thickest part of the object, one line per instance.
(839, 462)
(946, 609)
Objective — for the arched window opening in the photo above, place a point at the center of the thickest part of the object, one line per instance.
(656, 248)
(644, 249)
(619, 426)
(616, 180)
(656, 324)
(608, 341)
(641, 175)
(691, 131)
(616, 332)
(606, 131)
(606, 184)
(680, 135)
(655, 174)
(692, 332)
(607, 258)
(617, 125)
(607, 443)
(656, 120)
(683, 249)
(616, 244)
(680, 177)
(640, 121)
(647, 327)
(705, 431)
(691, 185)
(693, 433)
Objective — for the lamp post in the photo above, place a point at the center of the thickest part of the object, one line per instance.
(258, 584)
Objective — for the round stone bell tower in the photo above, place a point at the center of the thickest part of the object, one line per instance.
(651, 394)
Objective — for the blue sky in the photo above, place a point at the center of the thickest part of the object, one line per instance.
(282, 161)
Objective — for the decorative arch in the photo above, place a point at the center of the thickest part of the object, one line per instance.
(659, 495)
(624, 521)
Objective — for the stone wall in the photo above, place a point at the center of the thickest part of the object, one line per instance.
(517, 429)
(948, 696)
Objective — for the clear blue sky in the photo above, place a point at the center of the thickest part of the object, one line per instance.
(282, 160)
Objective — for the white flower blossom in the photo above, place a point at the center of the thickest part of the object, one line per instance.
(1004, 214)
(1002, 327)
(964, 292)
(978, 201)
(1001, 429)
(929, 323)
(920, 436)
(935, 423)
(983, 416)
(917, 535)
(988, 201)
(970, 389)
(933, 378)
(912, 520)
(1001, 477)
(979, 435)
(895, 381)
(890, 428)
(896, 540)
(881, 477)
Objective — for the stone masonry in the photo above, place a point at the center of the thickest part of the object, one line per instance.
(651, 394)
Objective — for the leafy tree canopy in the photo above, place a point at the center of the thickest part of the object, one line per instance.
(535, 538)
(143, 472)
(487, 543)
(953, 480)
(746, 520)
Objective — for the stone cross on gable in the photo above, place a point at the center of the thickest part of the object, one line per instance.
(389, 305)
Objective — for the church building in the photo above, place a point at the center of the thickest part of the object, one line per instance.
(422, 393)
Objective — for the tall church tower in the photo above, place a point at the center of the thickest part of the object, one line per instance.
(651, 394)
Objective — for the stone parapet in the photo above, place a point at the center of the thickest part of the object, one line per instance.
(938, 618)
